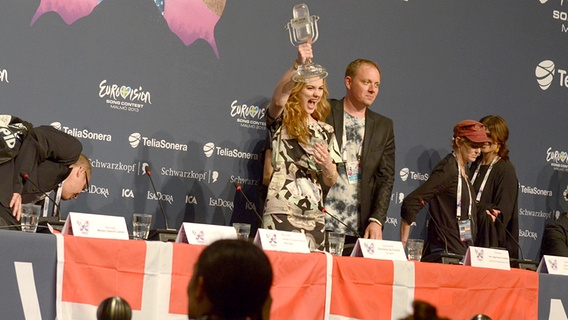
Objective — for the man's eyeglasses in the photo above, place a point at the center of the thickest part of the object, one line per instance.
(86, 189)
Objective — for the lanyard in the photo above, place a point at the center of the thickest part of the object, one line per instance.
(459, 193)
(478, 197)
(47, 202)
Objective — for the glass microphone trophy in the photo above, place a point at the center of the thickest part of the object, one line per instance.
(303, 28)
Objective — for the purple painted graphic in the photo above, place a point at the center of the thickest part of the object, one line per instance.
(188, 19)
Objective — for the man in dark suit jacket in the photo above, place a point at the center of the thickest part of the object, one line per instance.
(555, 237)
(47, 157)
(361, 195)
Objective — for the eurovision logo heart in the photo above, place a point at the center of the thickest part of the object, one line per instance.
(563, 156)
(254, 111)
(125, 91)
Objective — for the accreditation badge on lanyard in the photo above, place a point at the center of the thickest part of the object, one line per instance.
(353, 172)
(465, 230)
(464, 225)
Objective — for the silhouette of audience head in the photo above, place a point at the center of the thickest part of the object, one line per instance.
(114, 308)
(423, 311)
(231, 280)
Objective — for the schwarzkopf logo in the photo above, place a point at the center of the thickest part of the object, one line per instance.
(544, 73)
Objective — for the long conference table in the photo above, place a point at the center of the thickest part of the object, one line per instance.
(47, 276)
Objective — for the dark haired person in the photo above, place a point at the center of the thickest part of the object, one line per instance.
(496, 185)
(555, 237)
(51, 159)
(450, 195)
(231, 280)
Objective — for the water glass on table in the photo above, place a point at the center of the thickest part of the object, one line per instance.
(30, 217)
(141, 226)
(414, 249)
(336, 242)
(243, 230)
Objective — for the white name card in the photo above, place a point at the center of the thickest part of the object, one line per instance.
(204, 234)
(277, 240)
(553, 265)
(95, 226)
(487, 258)
(379, 249)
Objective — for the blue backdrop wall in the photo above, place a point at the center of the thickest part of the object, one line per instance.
(182, 85)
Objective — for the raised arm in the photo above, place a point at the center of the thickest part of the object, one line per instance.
(286, 84)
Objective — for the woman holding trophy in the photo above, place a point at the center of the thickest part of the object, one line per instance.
(304, 154)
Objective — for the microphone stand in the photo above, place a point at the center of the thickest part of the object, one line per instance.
(253, 207)
(445, 257)
(167, 234)
(524, 264)
(55, 221)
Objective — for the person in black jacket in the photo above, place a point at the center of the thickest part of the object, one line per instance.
(47, 159)
(451, 196)
(555, 237)
(496, 185)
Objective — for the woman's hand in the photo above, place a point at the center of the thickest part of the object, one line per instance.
(305, 52)
(321, 156)
(493, 213)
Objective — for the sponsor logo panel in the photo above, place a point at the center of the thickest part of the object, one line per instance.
(210, 176)
(534, 213)
(82, 133)
(161, 196)
(127, 193)
(535, 191)
(220, 202)
(406, 173)
(124, 97)
(558, 15)
(136, 138)
(248, 116)
(528, 234)
(97, 190)
(116, 166)
(210, 149)
(558, 159)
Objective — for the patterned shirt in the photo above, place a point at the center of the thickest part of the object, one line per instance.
(343, 198)
(295, 188)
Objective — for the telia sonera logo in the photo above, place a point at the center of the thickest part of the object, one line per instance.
(136, 138)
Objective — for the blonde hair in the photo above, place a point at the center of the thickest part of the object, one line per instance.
(294, 119)
(83, 161)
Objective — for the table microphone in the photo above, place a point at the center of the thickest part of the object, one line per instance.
(26, 176)
(160, 234)
(523, 263)
(322, 209)
(240, 188)
(446, 256)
